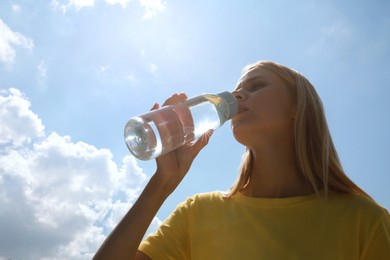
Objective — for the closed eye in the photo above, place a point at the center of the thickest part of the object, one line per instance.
(255, 86)
(252, 85)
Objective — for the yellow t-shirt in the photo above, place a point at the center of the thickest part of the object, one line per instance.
(209, 226)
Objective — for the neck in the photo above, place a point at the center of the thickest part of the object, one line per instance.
(275, 173)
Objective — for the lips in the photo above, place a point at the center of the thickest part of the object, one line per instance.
(241, 109)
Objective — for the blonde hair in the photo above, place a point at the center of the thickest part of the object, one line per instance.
(315, 152)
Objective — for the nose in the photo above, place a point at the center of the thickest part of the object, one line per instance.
(239, 94)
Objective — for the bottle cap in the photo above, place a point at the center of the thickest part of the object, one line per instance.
(231, 102)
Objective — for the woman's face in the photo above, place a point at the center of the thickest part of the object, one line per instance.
(266, 107)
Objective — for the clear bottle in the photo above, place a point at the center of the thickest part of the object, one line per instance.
(162, 130)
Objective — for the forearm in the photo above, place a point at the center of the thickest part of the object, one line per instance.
(124, 240)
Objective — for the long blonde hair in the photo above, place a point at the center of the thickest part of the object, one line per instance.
(315, 152)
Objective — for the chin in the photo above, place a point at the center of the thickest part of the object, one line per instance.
(241, 134)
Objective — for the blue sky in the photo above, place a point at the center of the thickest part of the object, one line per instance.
(73, 72)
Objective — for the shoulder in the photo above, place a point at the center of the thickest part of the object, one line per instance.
(204, 200)
(207, 197)
(364, 209)
(201, 201)
(358, 202)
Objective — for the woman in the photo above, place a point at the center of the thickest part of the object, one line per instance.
(292, 199)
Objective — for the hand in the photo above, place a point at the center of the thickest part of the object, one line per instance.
(173, 166)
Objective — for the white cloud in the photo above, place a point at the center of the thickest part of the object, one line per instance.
(42, 72)
(334, 36)
(153, 67)
(130, 77)
(123, 3)
(152, 7)
(16, 8)
(18, 123)
(104, 69)
(78, 4)
(58, 198)
(8, 41)
(82, 3)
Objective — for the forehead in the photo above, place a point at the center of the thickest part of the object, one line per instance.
(254, 74)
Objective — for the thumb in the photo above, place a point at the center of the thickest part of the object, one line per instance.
(201, 142)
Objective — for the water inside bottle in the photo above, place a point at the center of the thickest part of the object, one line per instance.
(205, 117)
(159, 131)
(142, 138)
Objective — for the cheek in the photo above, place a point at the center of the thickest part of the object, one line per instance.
(279, 108)
(269, 119)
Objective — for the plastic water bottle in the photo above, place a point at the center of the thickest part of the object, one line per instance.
(162, 130)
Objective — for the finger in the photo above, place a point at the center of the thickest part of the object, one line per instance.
(175, 99)
(201, 142)
(155, 106)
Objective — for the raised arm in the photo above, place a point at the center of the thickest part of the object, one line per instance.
(124, 240)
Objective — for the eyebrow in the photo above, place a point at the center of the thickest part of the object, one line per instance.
(250, 81)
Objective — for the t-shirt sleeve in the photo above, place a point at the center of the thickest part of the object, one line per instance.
(171, 239)
(378, 246)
